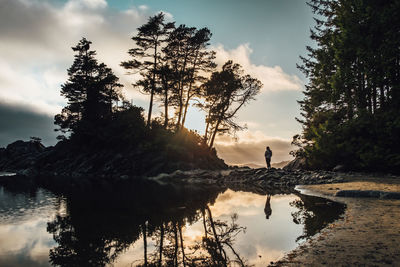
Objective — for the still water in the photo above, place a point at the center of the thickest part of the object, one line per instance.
(149, 224)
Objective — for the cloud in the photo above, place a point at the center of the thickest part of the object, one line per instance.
(273, 78)
(37, 37)
(143, 7)
(91, 4)
(36, 91)
(20, 123)
(249, 147)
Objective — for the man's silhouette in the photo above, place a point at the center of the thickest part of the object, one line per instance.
(268, 156)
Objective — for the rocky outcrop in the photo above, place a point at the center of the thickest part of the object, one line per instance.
(339, 168)
(296, 164)
(21, 156)
(76, 161)
(259, 180)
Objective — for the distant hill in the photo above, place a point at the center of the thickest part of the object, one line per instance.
(251, 165)
(280, 164)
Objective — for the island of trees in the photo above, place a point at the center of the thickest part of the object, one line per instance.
(175, 67)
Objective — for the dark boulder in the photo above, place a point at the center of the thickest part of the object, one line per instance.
(20, 155)
(21, 147)
(339, 168)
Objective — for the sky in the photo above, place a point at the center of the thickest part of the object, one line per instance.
(265, 36)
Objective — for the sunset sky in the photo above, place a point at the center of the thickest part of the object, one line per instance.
(265, 36)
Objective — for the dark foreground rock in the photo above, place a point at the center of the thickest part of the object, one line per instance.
(21, 156)
(256, 180)
(77, 162)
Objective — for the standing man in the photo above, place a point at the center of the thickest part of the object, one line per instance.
(268, 156)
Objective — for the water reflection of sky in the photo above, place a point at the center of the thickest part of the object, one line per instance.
(24, 240)
(24, 217)
(269, 239)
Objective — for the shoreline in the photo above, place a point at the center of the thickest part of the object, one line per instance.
(367, 235)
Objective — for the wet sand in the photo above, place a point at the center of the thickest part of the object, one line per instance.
(367, 235)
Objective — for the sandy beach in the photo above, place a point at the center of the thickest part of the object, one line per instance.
(367, 235)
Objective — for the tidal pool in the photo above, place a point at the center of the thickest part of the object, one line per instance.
(146, 224)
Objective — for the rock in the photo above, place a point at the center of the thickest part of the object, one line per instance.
(263, 177)
(20, 155)
(261, 170)
(390, 195)
(30, 172)
(368, 193)
(226, 172)
(20, 147)
(161, 176)
(339, 168)
(124, 177)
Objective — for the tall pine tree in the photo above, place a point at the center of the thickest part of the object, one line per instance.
(146, 56)
(351, 105)
(91, 91)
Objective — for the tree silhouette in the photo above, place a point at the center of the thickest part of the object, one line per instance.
(91, 91)
(146, 56)
(352, 98)
(187, 55)
(225, 93)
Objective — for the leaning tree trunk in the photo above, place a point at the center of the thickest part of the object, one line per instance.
(217, 241)
(188, 96)
(214, 133)
(181, 90)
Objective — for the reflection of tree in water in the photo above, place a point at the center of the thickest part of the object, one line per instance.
(219, 235)
(315, 213)
(210, 251)
(96, 229)
(214, 249)
(83, 247)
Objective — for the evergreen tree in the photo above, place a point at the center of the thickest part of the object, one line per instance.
(91, 90)
(350, 110)
(167, 82)
(189, 60)
(146, 56)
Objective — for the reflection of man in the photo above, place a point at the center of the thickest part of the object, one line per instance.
(268, 156)
(267, 209)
